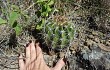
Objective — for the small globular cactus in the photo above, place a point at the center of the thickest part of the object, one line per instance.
(58, 36)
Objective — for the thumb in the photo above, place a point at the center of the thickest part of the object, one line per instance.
(59, 65)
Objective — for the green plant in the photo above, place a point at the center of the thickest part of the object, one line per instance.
(12, 15)
(43, 13)
(57, 32)
(58, 35)
(2, 21)
(13, 22)
(45, 7)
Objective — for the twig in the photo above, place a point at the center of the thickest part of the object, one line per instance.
(30, 6)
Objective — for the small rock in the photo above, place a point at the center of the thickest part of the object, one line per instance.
(50, 63)
(74, 46)
(61, 54)
(95, 33)
(90, 36)
(51, 53)
(102, 41)
(104, 47)
(95, 55)
(83, 40)
(89, 43)
(108, 43)
(85, 56)
(81, 69)
(72, 49)
(86, 47)
(73, 52)
(97, 40)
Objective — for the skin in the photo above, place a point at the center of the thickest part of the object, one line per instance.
(34, 59)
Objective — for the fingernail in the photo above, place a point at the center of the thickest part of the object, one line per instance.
(27, 44)
(36, 41)
(65, 59)
(19, 55)
(30, 41)
(37, 44)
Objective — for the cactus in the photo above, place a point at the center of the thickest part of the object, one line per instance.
(57, 32)
(56, 35)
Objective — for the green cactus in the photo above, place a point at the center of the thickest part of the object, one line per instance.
(58, 35)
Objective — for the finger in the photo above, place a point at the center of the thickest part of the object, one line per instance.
(32, 55)
(59, 64)
(21, 62)
(33, 51)
(38, 62)
(27, 53)
(38, 50)
(41, 65)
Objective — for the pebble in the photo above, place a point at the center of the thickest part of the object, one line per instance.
(74, 46)
(97, 40)
(73, 52)
(90, 36)
(51, 53)
(95, 55)
(83, 40)
(104, 47)
(86, 47)
(72, 49)
(49, 59)
(95, 33)
(61, 54)
(89, 43)
(102, 41)
(108, 43)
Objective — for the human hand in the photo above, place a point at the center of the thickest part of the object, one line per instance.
(34, 59)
